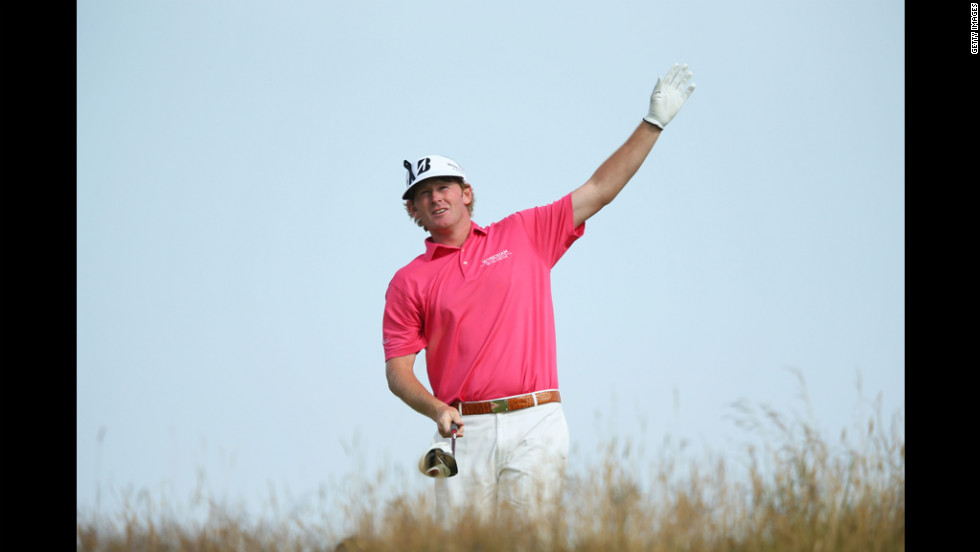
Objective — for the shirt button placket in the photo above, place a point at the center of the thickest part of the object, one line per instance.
(464, 265)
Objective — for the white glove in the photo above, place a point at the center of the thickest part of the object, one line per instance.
(669, 95)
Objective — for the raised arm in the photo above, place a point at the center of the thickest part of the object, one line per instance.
(611, 177)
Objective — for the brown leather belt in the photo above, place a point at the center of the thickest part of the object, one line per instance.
(508, 404)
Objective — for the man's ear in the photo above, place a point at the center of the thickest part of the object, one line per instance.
(467, 195)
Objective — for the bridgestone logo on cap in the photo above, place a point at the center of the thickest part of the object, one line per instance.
(411, 177)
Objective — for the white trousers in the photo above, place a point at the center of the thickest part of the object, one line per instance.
(510, 460)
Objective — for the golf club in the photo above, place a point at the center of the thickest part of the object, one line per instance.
(437, 462)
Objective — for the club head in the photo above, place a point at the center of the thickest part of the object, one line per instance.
(438, 462)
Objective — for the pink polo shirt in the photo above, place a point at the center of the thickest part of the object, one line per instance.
(483, 312)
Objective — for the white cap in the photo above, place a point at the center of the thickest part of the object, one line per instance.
(427, 167)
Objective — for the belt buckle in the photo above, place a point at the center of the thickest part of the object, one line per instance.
(498, 406)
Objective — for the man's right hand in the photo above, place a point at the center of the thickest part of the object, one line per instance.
(445, 418)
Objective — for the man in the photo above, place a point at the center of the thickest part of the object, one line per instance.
(479, 302)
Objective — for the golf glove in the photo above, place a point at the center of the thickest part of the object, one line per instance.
(669, 95)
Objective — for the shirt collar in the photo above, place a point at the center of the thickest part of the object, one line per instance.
(432, 248)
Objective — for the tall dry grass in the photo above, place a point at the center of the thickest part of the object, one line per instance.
(798, 491)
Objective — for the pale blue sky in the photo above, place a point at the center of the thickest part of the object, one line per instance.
(239, 175)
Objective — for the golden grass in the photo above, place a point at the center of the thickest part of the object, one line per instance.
(796, 493)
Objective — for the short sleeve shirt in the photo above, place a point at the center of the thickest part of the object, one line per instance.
(483, 312)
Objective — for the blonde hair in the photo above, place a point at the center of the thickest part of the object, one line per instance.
(463, 185)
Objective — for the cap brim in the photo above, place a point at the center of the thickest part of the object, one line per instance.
(411, 189)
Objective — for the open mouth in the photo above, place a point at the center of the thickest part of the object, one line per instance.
(439, 211)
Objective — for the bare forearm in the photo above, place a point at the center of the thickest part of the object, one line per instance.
(611, 177)
(404, 385)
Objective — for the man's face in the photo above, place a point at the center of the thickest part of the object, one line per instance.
(440, 203)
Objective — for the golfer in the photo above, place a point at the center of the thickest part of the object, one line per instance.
(478, 301)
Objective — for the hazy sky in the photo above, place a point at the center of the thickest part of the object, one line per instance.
(239, 179)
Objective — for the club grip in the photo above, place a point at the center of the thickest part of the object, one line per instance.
(453, 426)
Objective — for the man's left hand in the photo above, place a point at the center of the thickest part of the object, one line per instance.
(669, 95)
